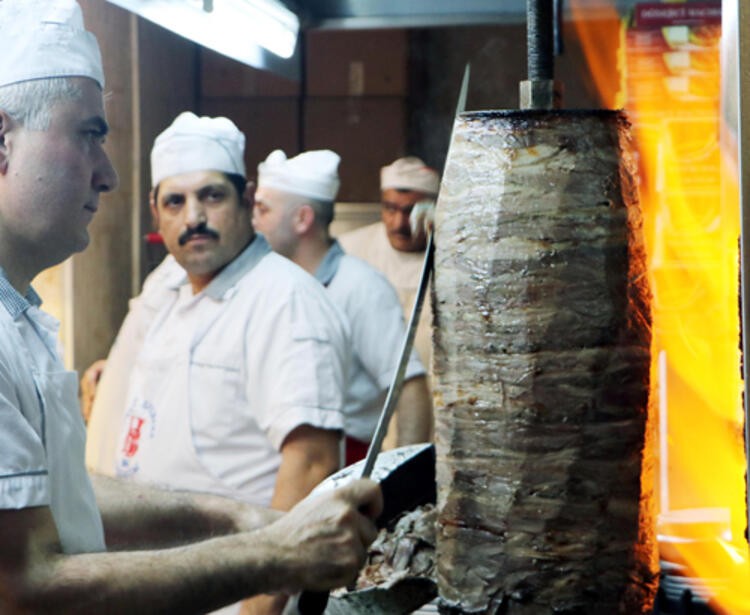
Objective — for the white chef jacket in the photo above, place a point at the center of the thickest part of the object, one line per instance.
(105, 422)
(260, 351)
(401, 269)
(41, 430)
(377, 325)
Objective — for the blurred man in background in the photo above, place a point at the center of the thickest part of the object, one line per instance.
(294, 207)
(395, 249)
(390, 245)
(237, 386)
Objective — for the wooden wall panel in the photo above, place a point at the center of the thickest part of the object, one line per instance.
(366, 131)
(356, 62)
(268, 124)
(99, 287)
(167, 85)
(140, 103)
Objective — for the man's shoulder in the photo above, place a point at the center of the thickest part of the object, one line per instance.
(357, 272)
(358, 282)
(280, 284)
(276, 278)
(160, 285)
(360, 231)
(277, 270)
(167, 272)
(362, 238)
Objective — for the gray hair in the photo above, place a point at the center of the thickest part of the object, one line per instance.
(30, 102)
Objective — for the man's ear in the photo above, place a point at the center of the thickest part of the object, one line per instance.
(154, 210)
(5, 126)
(304, 219)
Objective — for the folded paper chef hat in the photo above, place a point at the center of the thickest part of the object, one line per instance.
(46, 38)
(313, 174)
(195, 143)
(410, 173)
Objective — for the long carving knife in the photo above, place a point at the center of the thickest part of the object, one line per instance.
(314, 603)
(397, 383)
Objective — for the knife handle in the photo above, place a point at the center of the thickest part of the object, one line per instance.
(312, 603)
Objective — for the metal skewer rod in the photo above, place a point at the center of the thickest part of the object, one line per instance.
(539, 40)
(543, 37)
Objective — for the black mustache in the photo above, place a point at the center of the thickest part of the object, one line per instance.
(201, 229)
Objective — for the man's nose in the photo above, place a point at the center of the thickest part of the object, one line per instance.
(195, 212)
(105, 177)
(402, 220)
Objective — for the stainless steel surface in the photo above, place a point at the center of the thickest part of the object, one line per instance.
(539, 94)
(386, 463)
(352, 14)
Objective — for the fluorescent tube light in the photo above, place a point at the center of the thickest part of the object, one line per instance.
(236, 28)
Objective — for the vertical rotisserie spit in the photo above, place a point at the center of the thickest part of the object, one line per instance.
(541, 369)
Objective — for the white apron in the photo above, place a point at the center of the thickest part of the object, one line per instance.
(72, 500)
(156, 444)
(78, 518)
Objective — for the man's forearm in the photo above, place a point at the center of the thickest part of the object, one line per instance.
(138, 516)
(414, 412)
(194, 579)
(308, 455)
(317, 546)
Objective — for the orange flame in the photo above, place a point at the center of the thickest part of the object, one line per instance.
(669, 83)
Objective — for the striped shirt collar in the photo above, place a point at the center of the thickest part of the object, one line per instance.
(15, 303)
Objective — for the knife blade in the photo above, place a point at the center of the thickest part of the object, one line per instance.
(397, 382)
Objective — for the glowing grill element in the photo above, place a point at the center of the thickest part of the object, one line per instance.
(670, 86)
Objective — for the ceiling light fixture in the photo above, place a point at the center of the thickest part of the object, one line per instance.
(241, 29)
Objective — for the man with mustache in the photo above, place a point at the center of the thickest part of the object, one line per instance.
(237, 386)
(173, 552)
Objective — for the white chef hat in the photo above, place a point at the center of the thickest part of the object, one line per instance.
(195, 143)
(40, 39)
(410, 173)
(313, 174)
